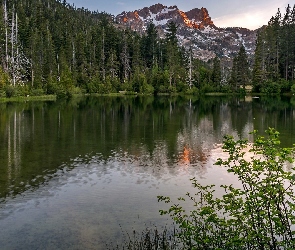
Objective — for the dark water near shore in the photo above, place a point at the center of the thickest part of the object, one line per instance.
(79, 174)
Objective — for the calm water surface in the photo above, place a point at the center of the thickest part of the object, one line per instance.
(83, 173)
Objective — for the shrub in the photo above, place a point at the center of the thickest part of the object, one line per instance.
(226, 89)
(146, 89)
(77, 91)
(192, 91)
(10, 91)
(270, 87)
(260, 215)
(206, 88)
(284, 85)
(37, 92)
(171, 90)
(163, 89)
(126, 86)
(63, 92)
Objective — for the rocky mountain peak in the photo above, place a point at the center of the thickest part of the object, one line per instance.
(160, 14)
(196, 30)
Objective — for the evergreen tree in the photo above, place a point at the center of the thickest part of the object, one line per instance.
(259, 71)
(216, 74)
(172, 53)
(112, 64)
(149, 45)
(234, 75)
(275, 52)
(242, 68)
(125, 58)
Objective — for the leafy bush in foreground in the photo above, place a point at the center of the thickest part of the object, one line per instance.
(260, 215)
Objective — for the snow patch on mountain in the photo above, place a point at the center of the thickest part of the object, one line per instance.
(195, 29)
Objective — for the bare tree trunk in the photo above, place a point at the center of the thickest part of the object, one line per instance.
(277, 62)
(6, 36)
(125, 59)
(112, 69)
(103, 57)
(190, 75)
(12, 48)
(73, 55)
(16, 39)
(32, 76)
(58, 73)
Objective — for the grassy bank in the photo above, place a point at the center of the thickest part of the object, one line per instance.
(28, 98)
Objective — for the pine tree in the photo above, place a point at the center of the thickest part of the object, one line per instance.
(286, 43)
(149, 45)
(172, 53)
(242, 68)
(190, 68)
(103, 55)
(216, 74)
(234, 75)
(125, 58)
(57, 47)
(112, 64)
(272, 37)
(259, 69)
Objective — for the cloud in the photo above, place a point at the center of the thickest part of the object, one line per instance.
(120, 3)
(252, 18)
(248, 20)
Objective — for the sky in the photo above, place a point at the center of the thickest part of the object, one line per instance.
(249, 14)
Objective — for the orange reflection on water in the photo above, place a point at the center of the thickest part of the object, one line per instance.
(191, 156)
(186, 155)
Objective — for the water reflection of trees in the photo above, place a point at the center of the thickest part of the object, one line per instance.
(160, 134)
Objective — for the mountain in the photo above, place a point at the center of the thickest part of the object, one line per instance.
(195, 29)
(160, 15)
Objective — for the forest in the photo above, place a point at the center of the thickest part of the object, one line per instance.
(52, 47)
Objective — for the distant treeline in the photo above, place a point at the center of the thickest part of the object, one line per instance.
(274, 67)
(51, 47)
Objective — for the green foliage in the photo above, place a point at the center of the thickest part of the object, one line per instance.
(163, 89)
(14, 91)
(4, 79)
(10, 91)
(192, 91)
(105, 88)
(58, 42)
(269, 87)
(216, 76)
(146, 89)
(207, 88)
(171, 90)
(240, 71)
(37, 92)
(259, 215)
(65, 49)
(285, 85)
(275, 51)
(61, 92)
(171, 33)
(226, 89)
(126, 86)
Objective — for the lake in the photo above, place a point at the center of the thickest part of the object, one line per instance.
(84, 173)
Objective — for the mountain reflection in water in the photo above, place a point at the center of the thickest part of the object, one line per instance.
(75, 174)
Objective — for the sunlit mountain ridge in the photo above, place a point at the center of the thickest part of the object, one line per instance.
(195, 29)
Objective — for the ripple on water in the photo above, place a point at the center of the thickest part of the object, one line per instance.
(87, 202)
